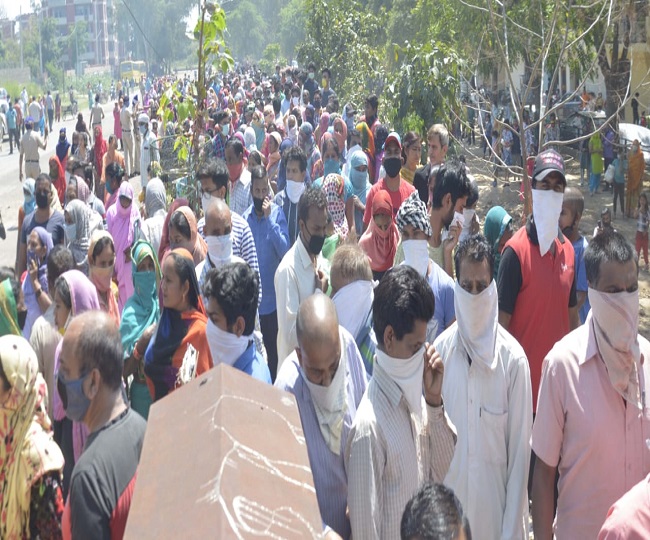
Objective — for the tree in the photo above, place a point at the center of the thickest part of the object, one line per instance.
(246, 31)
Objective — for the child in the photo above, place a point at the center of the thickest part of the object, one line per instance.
(642, 215)
(573, 204)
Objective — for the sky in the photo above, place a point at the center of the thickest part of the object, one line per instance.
(12, 7)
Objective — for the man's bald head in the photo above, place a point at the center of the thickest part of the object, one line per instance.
(319, 344)
(218, 219)
(92, 341)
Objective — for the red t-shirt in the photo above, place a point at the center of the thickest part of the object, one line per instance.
(396, 197)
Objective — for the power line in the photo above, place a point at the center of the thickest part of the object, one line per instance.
(142, 31)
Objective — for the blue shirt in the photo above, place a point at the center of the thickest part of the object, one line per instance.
(582, 285)
(328, 468)
(271, 238)
(442, 286)
(252, 363)
(11, 118)
(290, 213)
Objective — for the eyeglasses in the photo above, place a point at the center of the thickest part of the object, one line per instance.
(206, 194)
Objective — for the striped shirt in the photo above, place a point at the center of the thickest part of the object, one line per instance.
(240, 197)
(330, 479)
(385, 462)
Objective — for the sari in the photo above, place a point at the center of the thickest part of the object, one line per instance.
(100, 148)
(140, 311)
(79, 212)
(124, 226)
(102, 278)
(199, 247)
(33, 309)
(166, 354)
(27, 451)
(380, 246)
(59, 183)
(8, 310)
(164, 239)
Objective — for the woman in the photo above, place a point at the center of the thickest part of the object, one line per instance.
(12, 307)
(381, 238)
(73, 294)
(114, 179)
(75, 143)
(117, 125)
(29, 201)
(381, 134)
(80, 126)
(123, 222)
(497, 230)
(359, 181)
(182, 323)
(250, 140)
(273, 163)
(597, 163)
(635, 170)
(31, 501)
(318, 169)
(101, 268)
(341, 135)
(323, 126)
(333, 187)
(184, 233)
(140, 312)
(99, 151)
(155, 202)
(112, 155)
(368, 146)
(306, 141)
(77, 232)
(35, 285)
(57, 175)
(83, 152)
(164, 239)
(62, 147)
(411, 154)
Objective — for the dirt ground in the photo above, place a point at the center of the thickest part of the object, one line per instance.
(510, 198)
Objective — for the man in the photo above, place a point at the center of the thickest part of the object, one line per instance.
(300, 274)
(629, 517)
(326, 375)
(213, 177)
(536, 280)
(269, 227)
(96, 114)
(573, 205)
(20, 124)
(29, 145)
(137, 138)
(127, 136)
(12, 126)
(49, 105)
(222, 121)
(397, 188)
(433, 513)
(43, 216)
(286, 102)
(327, 90)
(401, 436)
(90, 383)
(232, 293)
(310, 84)
(239, 192)
(149, 150)
(352, 293)
(45, 335)
(370, 117)
(35, 110)
(592, 408)
(488, 398)
(635, 108)
(415, 230)
(437, 145)
(287, 199)
(604, 223)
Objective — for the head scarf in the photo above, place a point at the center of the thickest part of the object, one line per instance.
(250, 139)
(31, 302)
(121, 220)
(359, 184)
(282, 169)
(307, 142)
(46, 239)
(59, 183)
(100, 146)
(199, 247)
(83, 191)
(29, 186)
(8, 310)
(156, 197)
(381, 134)
(334, 187)
(323, 124)
(414, 212)
(164, 239)
(380, 246)
(496, 221)
(292, 131)
(173, 331)
(62, 147)
(110, 304)
(79, 212)
(27, 450)
(341, 137)
(367, 139)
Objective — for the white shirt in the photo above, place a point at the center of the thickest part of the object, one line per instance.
(295, 280)
(35, 111)
(492, 410)
(148, 154)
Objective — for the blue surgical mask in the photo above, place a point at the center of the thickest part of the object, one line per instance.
(358, 178)
(331, 166)
(145, 285)
(225, 130)
(74, 400)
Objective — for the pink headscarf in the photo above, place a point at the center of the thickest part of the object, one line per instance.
(323, 125)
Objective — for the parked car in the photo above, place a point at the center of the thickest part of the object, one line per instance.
(580, 123)
(628, 132)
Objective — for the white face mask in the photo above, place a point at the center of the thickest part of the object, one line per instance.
(226, 348)
(294, 190)
(407, 374)
(353, 304)
(225, 129)
(459, 219)
(219, 249)
(477, 316)
(416, 255)
(295, 101)
(143, 129)
(468, 216)
(547, 206)
(615, 322)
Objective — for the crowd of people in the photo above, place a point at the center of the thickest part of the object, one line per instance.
(450, 375)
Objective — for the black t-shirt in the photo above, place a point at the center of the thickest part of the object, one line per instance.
(635, 105)
(421, 182)
(54, 225)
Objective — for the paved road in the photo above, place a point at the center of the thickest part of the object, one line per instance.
(11, 193)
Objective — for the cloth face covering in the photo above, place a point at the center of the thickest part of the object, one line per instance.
(226, 348)
(407, 374)
(416, 255)
(547, 206)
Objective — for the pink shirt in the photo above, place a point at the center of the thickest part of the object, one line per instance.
(582, 423)
(629, 517)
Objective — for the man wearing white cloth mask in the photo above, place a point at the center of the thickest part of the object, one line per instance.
(325, 373)
(400, 438)
(415, 228)
(536, 280)
(488, 398)
(149, 151)
(592, 406)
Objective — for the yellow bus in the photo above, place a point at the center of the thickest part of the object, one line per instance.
(133, 69)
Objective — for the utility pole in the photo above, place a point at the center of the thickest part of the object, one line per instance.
(40, 40)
